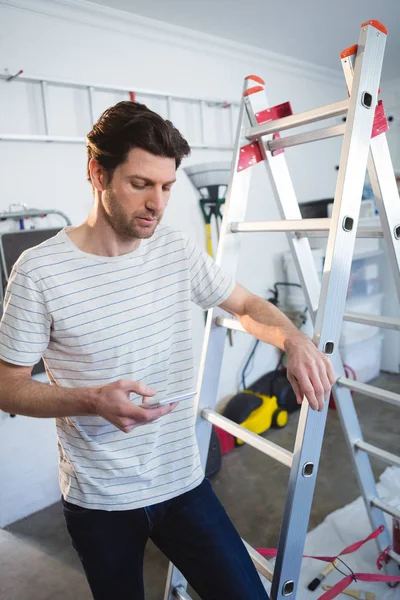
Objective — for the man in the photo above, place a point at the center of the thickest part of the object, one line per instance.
(107, 305)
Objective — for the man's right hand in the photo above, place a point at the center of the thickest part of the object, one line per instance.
(112, 402)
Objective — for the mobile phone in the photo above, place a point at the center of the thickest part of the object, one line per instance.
(156, 402)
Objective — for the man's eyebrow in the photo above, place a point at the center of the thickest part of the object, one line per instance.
(150, 181)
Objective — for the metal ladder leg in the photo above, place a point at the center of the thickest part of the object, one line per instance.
(387, 198)
(215, 337)
(333, 294)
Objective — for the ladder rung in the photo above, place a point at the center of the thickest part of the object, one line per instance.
(301, 227)
(374, 321)
(262, 565)
(229, 323)
(390, 510)
(370, 390)
(362, 232)
(309, 116)
(394, 556)
(295, 225)
(305, 138)
(273, 450)
(181, 593)
(388, 457)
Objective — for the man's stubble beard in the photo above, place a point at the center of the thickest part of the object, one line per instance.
(125, 227)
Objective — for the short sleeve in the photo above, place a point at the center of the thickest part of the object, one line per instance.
(210, 286)
(25, 325)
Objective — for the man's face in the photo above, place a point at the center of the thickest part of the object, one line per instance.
(135, 199)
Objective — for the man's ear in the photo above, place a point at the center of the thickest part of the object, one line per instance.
(97, 175)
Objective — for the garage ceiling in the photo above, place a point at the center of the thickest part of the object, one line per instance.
(311, 30)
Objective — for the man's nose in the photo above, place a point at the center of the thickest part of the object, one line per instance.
(155, 199)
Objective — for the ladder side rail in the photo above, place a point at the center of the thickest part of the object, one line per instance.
(350, 183)
(365, 477)
(311, 426)
(17, 137)
(384, 185)
(110, 88)
(385, 190)
(215, 336)
(285, 577)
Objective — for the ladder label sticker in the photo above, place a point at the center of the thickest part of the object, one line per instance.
(275, 112)
(381, 124)
(249, 155)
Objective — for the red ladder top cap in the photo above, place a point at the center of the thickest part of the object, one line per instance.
(349, 51)
(377, 25)
(255, 78)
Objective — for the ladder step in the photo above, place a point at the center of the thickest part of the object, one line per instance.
(374, 321)
(309, 116)
(388, 457)
(305, 138)
(301, 227)
(262, 565)
(295, 225)
(370, 390)
(181, 593)
(269, 448)
(394, 556)
(362, 232)
(229, 323)
(390, 510)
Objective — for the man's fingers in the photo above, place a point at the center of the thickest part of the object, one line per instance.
(325, 383)
(137, 387)
(167, 408)
(308, 390)
(320, 391)
(296, 388)
(331, 373)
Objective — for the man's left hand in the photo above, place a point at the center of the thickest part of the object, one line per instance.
(309, 371)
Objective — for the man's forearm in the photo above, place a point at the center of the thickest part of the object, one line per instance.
(24, 396)
(268, 324)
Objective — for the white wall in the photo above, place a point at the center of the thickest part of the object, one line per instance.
(77, 41)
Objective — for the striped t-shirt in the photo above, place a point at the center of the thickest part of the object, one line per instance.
(98, 319)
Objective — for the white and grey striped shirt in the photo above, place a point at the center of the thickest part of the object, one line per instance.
(97, 319)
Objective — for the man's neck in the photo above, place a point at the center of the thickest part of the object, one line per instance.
(96, 236)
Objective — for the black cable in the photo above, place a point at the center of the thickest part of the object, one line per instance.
(247, 363)
(347, 567)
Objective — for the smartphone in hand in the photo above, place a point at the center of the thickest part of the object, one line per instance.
(157, 402)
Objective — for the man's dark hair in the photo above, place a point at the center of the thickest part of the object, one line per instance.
(130, 125)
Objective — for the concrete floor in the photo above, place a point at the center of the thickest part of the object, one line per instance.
(38, 563)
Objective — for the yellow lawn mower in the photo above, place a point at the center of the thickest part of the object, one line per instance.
(256, 412)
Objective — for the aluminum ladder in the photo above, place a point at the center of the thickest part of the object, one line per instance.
(258, 140)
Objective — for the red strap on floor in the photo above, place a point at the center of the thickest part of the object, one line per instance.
(352, 548)
(341, 585)
(344, 583)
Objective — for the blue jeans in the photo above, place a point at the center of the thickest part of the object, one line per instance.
(192, 530)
